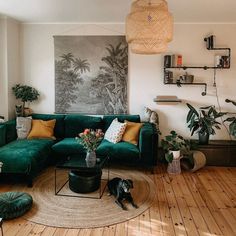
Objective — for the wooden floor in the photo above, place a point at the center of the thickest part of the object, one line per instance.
(203, 203)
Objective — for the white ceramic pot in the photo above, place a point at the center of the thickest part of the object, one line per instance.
(176, 154)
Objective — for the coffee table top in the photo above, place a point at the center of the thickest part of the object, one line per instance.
(77, 162)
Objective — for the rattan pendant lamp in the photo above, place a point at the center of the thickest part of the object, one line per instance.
(149, 27)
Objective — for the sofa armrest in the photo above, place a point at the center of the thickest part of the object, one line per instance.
(10, 130)
(2, 135)
(148, 144)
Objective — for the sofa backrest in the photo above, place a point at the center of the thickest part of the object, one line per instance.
(59, 130)
(107, 119)
(75, 124)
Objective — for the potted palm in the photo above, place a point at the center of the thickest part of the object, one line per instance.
(204, 122)
(231, 120)
(25, 94)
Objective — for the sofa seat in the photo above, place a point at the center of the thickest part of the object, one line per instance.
(122, 151)
(25, 156)
(68, 146)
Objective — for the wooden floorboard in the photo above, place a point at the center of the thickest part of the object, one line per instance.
(202, 203)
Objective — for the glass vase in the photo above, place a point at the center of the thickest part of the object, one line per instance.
(91, 158)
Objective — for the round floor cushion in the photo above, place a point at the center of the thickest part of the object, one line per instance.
(14, 204)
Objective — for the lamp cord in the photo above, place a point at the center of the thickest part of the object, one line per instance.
(219, 107)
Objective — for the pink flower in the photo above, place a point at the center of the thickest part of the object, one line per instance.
(86, 131)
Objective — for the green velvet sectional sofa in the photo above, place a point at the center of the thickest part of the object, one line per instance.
(29, 157)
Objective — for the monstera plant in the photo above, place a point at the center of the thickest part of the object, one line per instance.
(231, 120)
(204, 122)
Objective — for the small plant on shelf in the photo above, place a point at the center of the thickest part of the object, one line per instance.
(173, 144)
(231, 120)
(204, 122)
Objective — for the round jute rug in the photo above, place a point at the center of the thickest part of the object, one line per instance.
(72, 212)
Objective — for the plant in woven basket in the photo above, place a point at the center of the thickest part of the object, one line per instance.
(90, 139)
(174, 143)
(231, 120)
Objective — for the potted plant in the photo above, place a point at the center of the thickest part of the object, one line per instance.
(172, 145)
(203, 121)
(231, 120)
(26, 94)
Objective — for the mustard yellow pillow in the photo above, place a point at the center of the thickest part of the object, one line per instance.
(42, 129)
(131, 134)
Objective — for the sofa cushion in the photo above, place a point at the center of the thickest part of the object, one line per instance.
(122, 151)
(42, 129)
(59, 130)
(68, 146)
(75, 124)
(25, 156)
(107, 119)
(131, 134)
(115, 131)
(23, 126)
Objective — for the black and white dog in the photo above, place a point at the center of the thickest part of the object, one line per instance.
(120, 189)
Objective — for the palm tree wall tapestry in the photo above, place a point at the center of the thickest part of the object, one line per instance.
(91, 74)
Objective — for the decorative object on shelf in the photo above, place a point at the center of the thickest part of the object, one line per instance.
(186, 78)
(25, 94)
(149, 27)
(203, 121)
(179, 60)
(90, 140)
(152, 117)
(167, 99)
(221, 62)
(231, 120)
(168, 76)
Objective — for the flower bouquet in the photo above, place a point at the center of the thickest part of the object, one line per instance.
(90, 140)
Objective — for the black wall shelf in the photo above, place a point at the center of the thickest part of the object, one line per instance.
(191, 84)
(185, 67)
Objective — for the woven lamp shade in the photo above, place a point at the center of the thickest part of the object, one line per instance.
(149, 27)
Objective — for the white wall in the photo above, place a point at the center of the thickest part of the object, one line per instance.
(3, 78)
(9, 65)
(145, 72)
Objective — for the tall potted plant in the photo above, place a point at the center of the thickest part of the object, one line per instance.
(204, 122)
(25, 94)
(231, 120)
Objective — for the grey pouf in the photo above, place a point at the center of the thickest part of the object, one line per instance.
(14, 204)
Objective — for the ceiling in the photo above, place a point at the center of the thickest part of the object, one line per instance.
(113, 11)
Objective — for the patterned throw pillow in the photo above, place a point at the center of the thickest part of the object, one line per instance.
(23, 127)
(115, 131)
